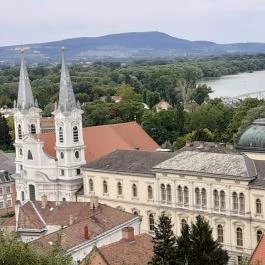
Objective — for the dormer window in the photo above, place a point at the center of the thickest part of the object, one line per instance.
(75, 134)
(61, 134)
(33, 129)
(19, 132)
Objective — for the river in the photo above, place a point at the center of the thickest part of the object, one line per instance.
(235, 85)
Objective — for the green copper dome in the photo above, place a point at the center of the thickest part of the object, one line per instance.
(253, 138)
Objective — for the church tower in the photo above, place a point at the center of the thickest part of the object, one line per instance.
(69, 133)
(27, 115)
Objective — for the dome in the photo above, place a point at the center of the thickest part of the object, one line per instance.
(253, 138)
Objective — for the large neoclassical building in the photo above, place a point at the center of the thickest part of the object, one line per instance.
(223, 185)
(48, 158)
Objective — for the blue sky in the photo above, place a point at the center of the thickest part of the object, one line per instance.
(222, 21)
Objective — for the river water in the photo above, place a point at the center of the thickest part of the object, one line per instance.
(235, 85)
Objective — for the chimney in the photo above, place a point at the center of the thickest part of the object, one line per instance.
(93, 202)
(44, 201)
(86, 233)
(128, 234)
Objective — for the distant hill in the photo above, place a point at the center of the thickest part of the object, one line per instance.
(126, 46)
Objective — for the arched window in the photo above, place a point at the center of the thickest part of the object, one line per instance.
(91, 185)
(75, 134)
(151, 222)
(61, 134)
(241, 202)
(183, 223)
(32, 195)
(204, 198)
(19, 132)
(33, 129)
(220, 233)
(197, 197)
(134, 190)
(105, 186)
(150, 192)
(20, 152)
(77, 154)
(259, 234)
(235, 201)
(119, 188)
(222, 200)
(62, 155)
(180, 195)
(239, 237)
(30, 157)
(163, 192)
(258, 206)
(169, 195)
(186, 196)
(215, 200)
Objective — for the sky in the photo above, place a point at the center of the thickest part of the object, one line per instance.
(221, 21)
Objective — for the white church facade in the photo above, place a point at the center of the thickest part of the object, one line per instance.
(49, 163)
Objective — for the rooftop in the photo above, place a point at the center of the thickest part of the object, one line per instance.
(258, 255)
(130, 161)
(7, 162)
(217, 164)
(102, 140)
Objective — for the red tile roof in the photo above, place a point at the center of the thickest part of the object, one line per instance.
(98, 221)
(139, 251)
(102, 140)
(258, 256)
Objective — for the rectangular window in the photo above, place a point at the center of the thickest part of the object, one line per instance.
(22, 195)
(62, 172)
(8, 203)
(8, 189)
(78, 171)
(1, 191)
(1, 204)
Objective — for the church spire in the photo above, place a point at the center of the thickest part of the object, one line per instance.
(66, 97)
(25, 97)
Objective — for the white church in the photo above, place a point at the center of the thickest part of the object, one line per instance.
(49, 163)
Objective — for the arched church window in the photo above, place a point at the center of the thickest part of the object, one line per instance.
(20, 152)
(19, 131)
(77, 154)
(33, 129)
(169, 193)
(75, 134)
(62, 155)
(61, 134)
(197, 197)
(30, 157)
(163, 192)
(180, 194)
(204, 197)
(32, 195)
(235, 201)
(239, 236)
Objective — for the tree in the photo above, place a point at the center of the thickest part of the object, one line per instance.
(14, 251)
(5, 137)
(200, 93)
(127, 93)
(164, 242)
(196, 245)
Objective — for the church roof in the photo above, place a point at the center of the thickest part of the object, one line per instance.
(25, 97)
(102, 140)
(258, 255)
(66, 95)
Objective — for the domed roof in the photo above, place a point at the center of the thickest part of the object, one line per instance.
(253, 138)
